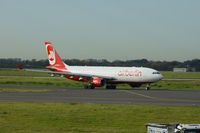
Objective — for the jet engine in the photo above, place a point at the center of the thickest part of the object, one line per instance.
(97, 82)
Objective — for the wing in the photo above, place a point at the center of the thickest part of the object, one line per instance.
(88, 76)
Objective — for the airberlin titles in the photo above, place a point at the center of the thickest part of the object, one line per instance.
(128, 73)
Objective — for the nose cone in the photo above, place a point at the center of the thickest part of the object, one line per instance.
(157, 76)
(160, 77)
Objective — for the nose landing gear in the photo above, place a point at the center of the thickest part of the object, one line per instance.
(148, 87)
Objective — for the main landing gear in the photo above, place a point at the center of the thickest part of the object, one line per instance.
(111, 86)
(89, 86)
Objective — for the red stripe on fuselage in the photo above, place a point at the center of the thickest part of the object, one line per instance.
(77, 78)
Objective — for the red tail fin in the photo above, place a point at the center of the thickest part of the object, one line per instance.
(19, 67)
(54, 60)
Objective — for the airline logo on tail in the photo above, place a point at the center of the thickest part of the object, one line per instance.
(54, 59)
(51, 54)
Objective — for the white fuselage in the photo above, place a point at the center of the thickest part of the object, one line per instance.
(121, 74)
(98, 76)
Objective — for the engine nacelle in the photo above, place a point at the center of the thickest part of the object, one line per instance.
(97, 82)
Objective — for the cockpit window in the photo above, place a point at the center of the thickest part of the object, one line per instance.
(156, 72)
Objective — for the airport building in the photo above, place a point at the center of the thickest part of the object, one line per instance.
(179, 69)
(184, 69)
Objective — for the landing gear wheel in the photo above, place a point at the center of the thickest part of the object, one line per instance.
(89, 87)
(147, 88)
(92, 87)
(86, 87)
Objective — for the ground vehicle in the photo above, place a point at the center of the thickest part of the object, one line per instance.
(173, 128)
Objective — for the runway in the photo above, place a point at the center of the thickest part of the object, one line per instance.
(102, 96)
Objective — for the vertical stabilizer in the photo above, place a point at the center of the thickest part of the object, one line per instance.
(54, 60)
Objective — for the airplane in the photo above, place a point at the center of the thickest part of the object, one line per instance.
(99, 76)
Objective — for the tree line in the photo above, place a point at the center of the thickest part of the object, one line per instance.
(158, 65)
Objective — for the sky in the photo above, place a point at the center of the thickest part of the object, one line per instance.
(159, 30)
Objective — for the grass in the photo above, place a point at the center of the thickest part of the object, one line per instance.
(20, 80)
(63, 82)
(16, 72)
(97, 118)
(23, 81)
(193, 75)
(20, 117)
(23, 90)
(177, 85)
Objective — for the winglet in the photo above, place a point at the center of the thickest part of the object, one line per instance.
(19, 67)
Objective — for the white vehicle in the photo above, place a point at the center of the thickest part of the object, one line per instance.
(187, 128)
(100, 76)
(173, 128)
